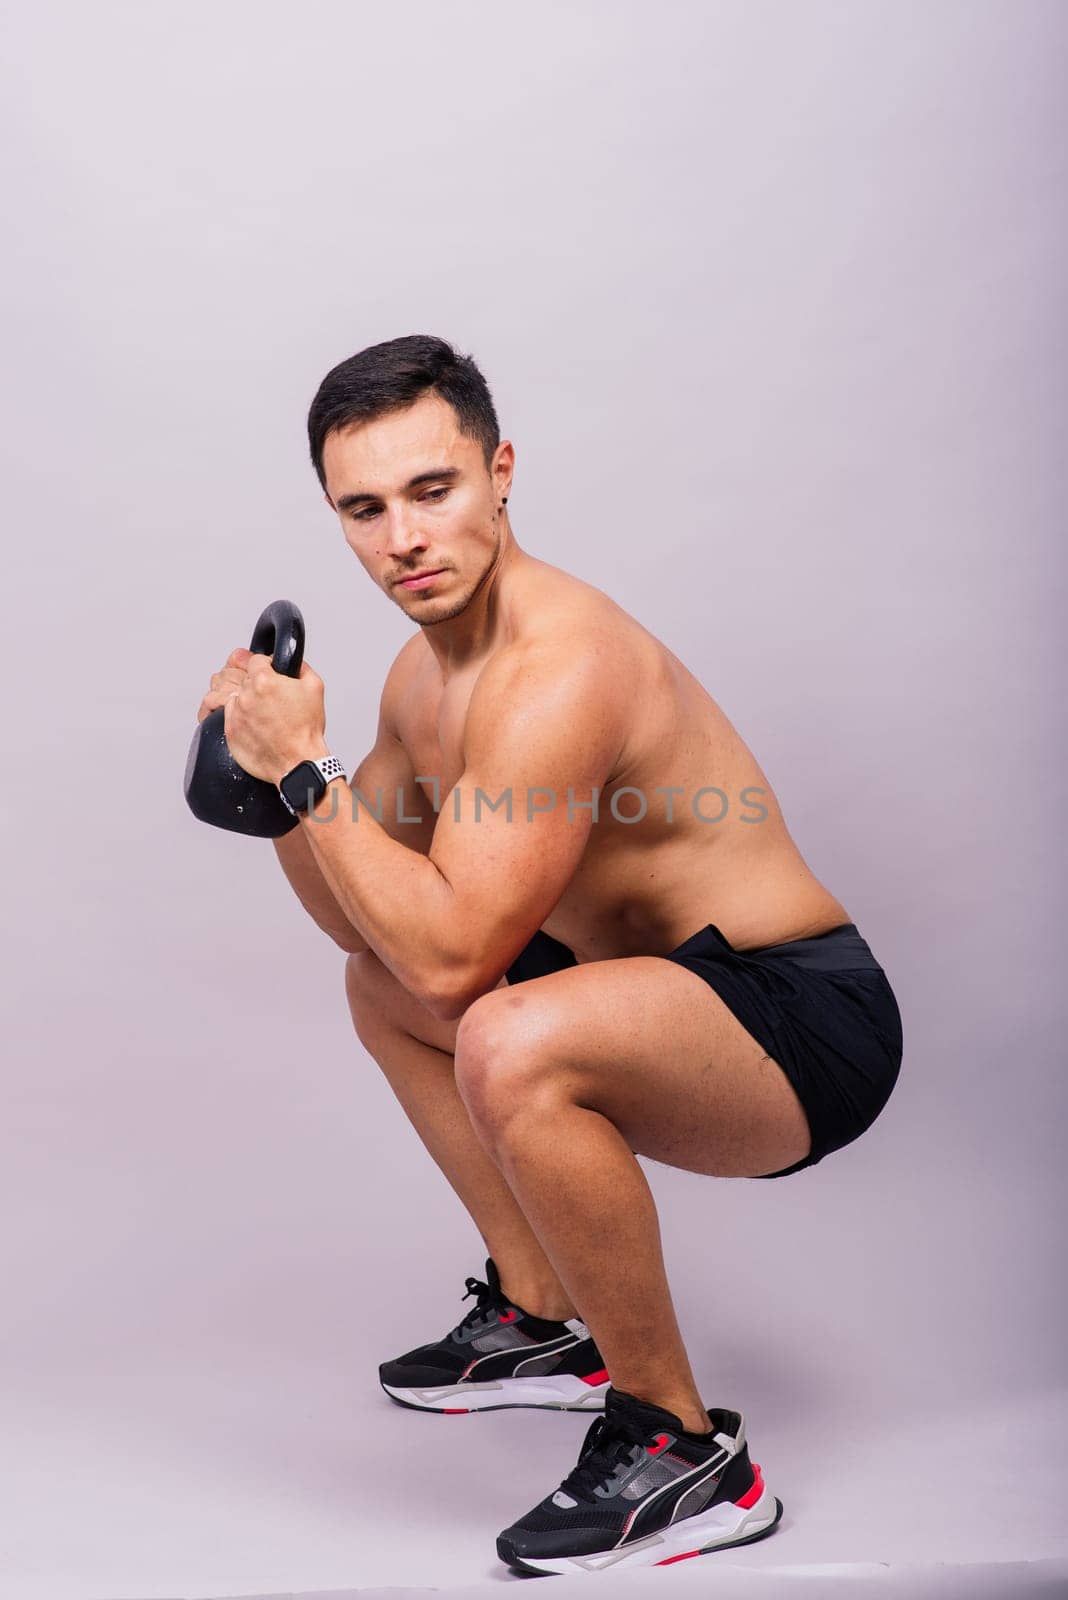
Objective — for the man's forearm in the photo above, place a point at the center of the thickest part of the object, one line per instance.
(312, 890)
(395, 898)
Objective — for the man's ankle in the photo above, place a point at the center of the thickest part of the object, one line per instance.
(539, 1301)
(694, 1418)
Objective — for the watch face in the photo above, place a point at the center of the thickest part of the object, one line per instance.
(297, 784)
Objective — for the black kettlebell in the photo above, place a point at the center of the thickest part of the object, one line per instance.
(217, 789)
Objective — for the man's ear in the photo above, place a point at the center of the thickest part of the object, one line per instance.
(504, 467)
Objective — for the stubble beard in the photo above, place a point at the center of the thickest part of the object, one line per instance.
(453, 608)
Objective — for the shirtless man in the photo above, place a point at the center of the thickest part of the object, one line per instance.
(635, 961)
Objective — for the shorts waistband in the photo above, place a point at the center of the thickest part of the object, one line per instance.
(840, 949)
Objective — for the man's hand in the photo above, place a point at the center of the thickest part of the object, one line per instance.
(271, 722)
(223, 684)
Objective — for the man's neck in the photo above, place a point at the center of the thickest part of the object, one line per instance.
(480, 628)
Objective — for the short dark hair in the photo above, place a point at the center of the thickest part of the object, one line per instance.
(391, 377)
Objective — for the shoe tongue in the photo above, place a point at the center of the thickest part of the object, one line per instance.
(493, 1277)
(618, 1403)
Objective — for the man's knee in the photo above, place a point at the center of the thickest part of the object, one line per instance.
(504, 1059)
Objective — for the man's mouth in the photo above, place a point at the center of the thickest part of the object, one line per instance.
(419, 580)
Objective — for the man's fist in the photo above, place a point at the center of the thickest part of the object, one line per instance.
(225, 683)
(272, 722)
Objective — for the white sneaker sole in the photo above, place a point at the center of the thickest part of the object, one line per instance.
(722, 1525)
(562, 1393)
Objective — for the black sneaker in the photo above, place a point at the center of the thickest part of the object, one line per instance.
(500, 1356)
(645, 1493)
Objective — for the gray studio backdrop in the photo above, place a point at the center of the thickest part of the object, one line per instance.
(765, 295)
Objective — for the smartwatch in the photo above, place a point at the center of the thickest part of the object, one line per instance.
(305, 786)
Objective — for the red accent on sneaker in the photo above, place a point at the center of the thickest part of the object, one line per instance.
(685, 1556)
(597, 1377)
(508, 1316)
(662, 1440)
(751, 1496)
(455, 1411)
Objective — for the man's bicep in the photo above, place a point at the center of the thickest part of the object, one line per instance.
(508, 853)
(510, 837)
(388, 791)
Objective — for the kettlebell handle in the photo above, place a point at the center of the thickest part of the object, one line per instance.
(279, 633)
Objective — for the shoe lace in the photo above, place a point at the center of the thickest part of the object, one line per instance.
(488, 1302)
(606, 1444)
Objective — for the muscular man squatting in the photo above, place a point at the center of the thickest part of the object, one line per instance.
(578, 931)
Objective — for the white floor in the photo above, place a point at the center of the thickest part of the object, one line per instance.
(161, 1491)
(1044, 1580)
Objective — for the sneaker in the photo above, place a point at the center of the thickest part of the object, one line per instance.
(500, 1356)
(645, 1493)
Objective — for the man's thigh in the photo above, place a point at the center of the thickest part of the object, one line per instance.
(651, 1046)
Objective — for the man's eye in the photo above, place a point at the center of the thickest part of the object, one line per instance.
(372, 511)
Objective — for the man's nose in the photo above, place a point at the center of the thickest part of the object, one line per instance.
(404, 535)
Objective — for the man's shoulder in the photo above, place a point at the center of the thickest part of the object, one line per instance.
(565, 619)
(413, 657)
(586, 649)
(564, 682)
(413, 654)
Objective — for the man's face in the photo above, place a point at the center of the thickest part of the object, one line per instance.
(445, 522)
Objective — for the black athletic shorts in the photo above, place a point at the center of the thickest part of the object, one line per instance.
(822, 1008)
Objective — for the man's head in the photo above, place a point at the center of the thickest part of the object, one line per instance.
(405, 442)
